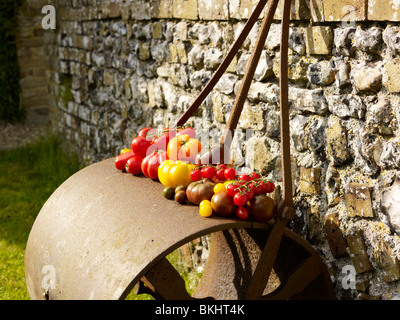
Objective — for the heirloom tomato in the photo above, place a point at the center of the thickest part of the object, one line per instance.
(183, 148)
(151, 163)
(174, 173)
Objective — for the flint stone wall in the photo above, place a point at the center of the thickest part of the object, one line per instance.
(115, 67)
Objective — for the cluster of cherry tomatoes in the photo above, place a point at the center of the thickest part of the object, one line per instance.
(242, 188)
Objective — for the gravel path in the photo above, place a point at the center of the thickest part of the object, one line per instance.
(18, 134)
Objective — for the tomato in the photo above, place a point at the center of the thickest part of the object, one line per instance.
(230, 189)
(151, 163)
(249, 194)
(205, 203)
(125, 150)
(222, 204)
(255, 175)
(239, 199)
(271, 187)
(134, 165)
(180, 197)
(220, 174)
(163, 173)
(205, 209)
(161, 142)
(189, 131)
(242, 213)
(245, 177)
(139, 146)
(219, 187)
(208, 172)
(200, 190)
(195, 175)
(174, 173)
(230, 173)
(120, 161)
(147, 133)
(261, 208)
(183, 148)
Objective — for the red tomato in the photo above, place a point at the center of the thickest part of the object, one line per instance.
(151, 163)
(161, 142)
(240, 199)
(120, 161)
(245, 177)
(270, 187)
(139, 146)
(133, 165)
(242, 213)
(208, 172)
(255, 175)
(196, 175)
(230, 173)
(230, 189)
(147, 133)
(220, 174)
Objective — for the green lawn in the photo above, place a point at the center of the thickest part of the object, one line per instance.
(28, 176)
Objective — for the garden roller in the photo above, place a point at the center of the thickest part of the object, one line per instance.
(104, 233)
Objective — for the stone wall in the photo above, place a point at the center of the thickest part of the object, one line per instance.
(32, 61)
(115, 67)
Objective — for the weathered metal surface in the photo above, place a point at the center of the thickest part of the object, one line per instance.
(102, 230)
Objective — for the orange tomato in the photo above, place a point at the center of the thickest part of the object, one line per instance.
(183, 148)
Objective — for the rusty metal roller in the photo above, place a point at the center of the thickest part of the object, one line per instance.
(103, 232)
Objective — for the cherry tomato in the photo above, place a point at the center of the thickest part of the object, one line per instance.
(125, 150)
(205, 210)
(196, 175)
(255, 175)
(245, 177)
(230, 189)
(230, 173)
(219, 187)
(222, 166)
(139, 146)
(208, 172)
(264, 187)
(242, 213)
(219, 174)
(271, 187)
(249, 194)
(240, 199)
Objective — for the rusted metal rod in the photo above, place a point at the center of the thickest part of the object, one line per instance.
(249, 74)
(284, 212)
(225, 63)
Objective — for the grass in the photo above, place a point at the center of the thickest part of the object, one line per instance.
(29, 175)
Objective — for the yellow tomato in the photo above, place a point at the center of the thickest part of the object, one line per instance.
(125, 150)
(205, 210)
(228, 182)
(205, 203)
(219, 187)
(174, 173)
(163, 172)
